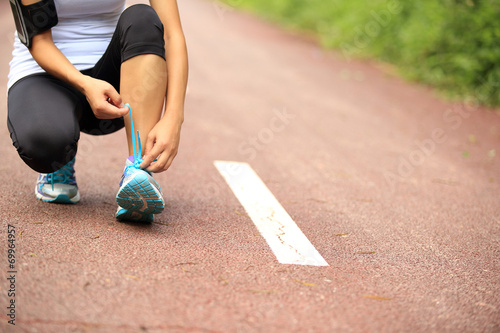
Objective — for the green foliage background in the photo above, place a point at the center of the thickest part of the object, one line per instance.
(453, 45)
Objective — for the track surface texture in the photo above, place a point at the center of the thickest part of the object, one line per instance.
(398, 190)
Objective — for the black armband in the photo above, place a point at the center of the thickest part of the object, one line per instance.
(33, 19)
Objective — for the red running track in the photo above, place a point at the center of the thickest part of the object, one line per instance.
(396, 189)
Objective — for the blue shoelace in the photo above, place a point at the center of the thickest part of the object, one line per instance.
(137, 157)
(64, 175)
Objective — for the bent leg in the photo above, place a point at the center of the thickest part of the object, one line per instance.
(43, 122)
(134, 64)
(143, 86)
(143, 72)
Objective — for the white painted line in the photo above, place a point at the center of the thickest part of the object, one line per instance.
(289, 244)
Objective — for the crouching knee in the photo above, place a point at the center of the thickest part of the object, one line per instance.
(46, 153)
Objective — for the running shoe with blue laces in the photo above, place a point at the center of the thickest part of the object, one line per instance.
(123, 215)
(138, 192)
(59, 186)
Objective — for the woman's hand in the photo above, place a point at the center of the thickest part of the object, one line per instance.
(162, 144)
(105, 101)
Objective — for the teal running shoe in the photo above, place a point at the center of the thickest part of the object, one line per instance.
(59, 186)
(125, 215)
(138, 192)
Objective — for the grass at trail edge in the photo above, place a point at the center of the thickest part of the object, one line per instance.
(452, 45)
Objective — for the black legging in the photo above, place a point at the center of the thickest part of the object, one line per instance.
(46, 115)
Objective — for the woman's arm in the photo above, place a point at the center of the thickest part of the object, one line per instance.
(99, 93)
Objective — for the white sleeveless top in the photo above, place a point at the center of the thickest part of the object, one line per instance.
(83, 33)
